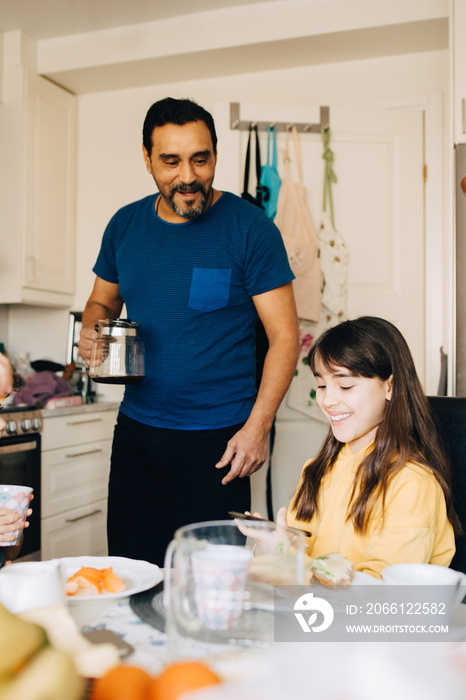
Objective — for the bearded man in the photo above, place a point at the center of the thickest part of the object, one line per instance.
(197, 268)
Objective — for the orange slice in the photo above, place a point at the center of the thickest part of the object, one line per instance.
(89, 581)
(111, 582)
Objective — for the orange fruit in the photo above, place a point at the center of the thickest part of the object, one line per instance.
(181, 677)
(122, 683)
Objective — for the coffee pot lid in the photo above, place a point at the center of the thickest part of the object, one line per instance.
(117, 326)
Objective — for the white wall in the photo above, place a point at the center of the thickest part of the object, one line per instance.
(111, 171)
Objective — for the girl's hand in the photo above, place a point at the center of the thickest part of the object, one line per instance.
(267, 539)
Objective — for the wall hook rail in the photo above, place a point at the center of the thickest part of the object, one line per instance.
(238, 124)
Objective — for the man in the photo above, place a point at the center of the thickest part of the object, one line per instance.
(196, 267)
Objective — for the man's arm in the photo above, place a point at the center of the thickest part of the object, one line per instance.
(105, 302)
(247, 450)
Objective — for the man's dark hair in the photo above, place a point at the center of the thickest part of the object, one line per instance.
(180, 112)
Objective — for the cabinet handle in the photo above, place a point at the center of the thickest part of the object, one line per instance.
(81, 422)
(81, 517)
(83, 454)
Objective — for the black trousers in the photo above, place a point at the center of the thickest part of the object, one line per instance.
(162, 479)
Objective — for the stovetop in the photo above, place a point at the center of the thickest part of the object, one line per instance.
(17, 407)
(20, 419)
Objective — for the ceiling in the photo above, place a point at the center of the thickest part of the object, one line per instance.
(78, 50)
(47, 19)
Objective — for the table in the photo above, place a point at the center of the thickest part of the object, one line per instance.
(149, 643)
(366, 671)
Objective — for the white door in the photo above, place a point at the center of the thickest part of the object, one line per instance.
(379, 211)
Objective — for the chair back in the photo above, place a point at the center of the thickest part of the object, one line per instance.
(450, 417)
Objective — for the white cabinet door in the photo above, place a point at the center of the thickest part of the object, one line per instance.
(77, 429)
(50, 134)
(74, 476)
(79, 532)
(458, 50)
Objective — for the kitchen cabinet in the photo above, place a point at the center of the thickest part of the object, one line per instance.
(76, 450)
(459, 70)
(37, 191)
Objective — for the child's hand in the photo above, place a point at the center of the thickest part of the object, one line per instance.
(268, 538)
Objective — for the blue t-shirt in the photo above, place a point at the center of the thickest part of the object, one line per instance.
(190, 286)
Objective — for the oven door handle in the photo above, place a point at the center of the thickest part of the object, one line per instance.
(18, 447)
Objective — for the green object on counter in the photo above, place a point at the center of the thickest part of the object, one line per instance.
(2, 348)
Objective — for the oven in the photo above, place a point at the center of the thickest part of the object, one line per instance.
(20, 460)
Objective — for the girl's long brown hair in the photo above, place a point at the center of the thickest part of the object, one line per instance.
(373, 347)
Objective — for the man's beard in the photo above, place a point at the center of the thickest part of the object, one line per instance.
(189, 211)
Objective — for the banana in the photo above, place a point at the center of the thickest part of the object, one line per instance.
(50, 675)
(19, 640)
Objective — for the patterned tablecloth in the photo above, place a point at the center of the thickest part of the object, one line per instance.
(148, 642)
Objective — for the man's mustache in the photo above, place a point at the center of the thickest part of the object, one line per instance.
(193, 187)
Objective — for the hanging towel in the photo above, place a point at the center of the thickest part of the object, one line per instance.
(297, 228)
(270, 179)
(257, 200)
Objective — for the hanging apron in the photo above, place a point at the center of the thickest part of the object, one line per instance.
(334, 259)
(297, 228)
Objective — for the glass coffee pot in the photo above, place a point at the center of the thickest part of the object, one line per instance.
(117, 353)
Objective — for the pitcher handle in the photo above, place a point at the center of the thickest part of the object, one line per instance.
(461, 589)
(167, 565)
(175, 608)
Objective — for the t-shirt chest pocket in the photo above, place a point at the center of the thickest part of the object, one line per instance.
(210, 288)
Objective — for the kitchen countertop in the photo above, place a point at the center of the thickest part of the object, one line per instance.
(84, 408)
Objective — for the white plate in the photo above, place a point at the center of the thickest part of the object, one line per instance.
(362, 579)
(262, 595)
(137, 575)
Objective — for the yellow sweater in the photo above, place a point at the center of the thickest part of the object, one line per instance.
(415, 529)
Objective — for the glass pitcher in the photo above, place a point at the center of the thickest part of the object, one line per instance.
(117, 353)
(219, 585)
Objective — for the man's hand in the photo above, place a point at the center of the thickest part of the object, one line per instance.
(105, 302)
(246, 453)
(86, 339)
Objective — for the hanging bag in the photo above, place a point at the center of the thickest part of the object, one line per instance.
(299, 235)
(270, 179)
(333, 251)
(257, 200)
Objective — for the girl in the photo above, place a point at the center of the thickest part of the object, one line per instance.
(378, 491)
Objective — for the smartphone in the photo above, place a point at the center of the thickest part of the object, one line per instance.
(243, 516)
